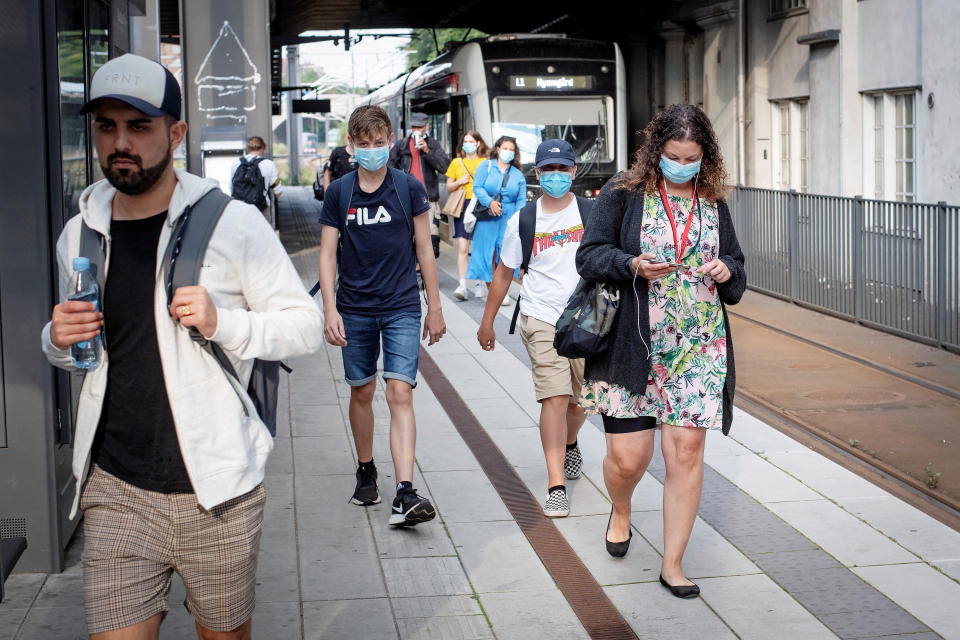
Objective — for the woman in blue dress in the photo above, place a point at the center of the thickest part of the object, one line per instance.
(488, 234)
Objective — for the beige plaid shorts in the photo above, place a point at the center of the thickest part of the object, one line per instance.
(135, 539)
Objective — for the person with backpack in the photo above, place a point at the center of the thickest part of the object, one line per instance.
(253, 176)
(374, 233)
(169, 450)
(542, 241)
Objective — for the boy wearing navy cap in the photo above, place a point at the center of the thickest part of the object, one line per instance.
(555, 221)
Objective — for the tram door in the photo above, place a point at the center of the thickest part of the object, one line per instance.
(461, 118)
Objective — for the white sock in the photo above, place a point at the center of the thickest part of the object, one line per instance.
(463, 283)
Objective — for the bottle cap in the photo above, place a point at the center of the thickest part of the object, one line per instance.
(81, 264)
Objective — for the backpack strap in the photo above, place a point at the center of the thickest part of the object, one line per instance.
(403, 193)
(184, 257)
(93, 246)
(528, 229)
(528, 224)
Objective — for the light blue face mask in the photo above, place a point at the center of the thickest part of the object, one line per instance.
(372, 159)
(469, 147)
(506, 156)
(678, 173)
(555, 183)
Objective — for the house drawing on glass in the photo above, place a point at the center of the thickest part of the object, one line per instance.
(227, 80)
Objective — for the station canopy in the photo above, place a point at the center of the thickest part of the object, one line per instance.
(577, 19)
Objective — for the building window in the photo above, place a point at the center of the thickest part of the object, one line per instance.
(890, 124)
(878, 147)
(802, 143)
(905, 164)
(784, 174)
(790, 144)
(786, 8)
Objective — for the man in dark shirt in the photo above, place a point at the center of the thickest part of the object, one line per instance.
(376, 302)
(169, 455)
(340, 164)
(422, 157)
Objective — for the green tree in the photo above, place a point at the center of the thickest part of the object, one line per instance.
(423, 47)
(309, 76)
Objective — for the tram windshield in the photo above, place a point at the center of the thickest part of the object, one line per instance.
(585, 122)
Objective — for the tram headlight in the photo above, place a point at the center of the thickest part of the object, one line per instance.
(495, 69)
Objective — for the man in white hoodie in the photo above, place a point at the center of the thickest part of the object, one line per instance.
(169, 452)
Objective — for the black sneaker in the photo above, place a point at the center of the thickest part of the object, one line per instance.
(410, 509)
(366, 492)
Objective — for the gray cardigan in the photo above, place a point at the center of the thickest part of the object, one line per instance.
(610, 242)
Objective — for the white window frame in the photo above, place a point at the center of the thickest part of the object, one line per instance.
(790, 144)
(880, 145)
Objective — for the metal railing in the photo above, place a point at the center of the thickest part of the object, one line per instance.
(889, 265)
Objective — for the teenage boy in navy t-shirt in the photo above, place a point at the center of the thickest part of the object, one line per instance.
(377, 299)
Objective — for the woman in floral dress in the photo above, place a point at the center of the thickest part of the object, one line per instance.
(662, 233)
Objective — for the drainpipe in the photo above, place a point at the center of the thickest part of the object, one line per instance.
(741, 111)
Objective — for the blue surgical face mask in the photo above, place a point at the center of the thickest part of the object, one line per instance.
(678, 173)
(506, 156)
(556, 183)
(469, 147)
(372, 159)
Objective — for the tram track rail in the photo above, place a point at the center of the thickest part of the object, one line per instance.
(865, 463)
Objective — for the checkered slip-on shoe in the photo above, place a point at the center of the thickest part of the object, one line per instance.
(557, 505)
(572, 463)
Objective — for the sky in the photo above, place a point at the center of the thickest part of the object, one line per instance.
(369, 63)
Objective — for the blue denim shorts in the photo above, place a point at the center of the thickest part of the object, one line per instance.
(400, 333)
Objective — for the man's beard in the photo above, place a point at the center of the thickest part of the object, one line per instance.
(133, 182)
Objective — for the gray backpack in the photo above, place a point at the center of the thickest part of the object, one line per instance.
(182, 260)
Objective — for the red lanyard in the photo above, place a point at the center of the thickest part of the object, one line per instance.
(680, 245)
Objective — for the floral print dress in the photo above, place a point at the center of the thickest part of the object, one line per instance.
(687, 332)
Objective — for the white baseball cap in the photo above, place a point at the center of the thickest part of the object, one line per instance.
(140, 82)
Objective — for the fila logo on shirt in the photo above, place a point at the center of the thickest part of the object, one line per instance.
(361, 216)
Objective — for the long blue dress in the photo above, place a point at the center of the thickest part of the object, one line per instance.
(488, 234)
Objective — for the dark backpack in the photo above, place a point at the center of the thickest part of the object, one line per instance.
(192, 233)
(248, 184)
(346, 194)
(528, 230)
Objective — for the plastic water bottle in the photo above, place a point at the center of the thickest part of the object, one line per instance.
(86, 354)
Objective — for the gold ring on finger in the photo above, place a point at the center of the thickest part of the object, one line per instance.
(185, 310)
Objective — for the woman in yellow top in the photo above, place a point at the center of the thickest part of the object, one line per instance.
(471, 151)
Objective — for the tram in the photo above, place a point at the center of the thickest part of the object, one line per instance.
(532, 87)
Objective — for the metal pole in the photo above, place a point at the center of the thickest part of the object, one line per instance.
(859, 286)
(941, 302)
(794, 243)
(293, 120)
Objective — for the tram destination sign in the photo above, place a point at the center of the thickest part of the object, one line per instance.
(550, 83)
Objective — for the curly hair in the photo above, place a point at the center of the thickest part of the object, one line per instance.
(495, 151)
(678, 122)
(482, 148)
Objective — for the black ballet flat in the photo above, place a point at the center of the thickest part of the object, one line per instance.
(617, 549)
(683, 591)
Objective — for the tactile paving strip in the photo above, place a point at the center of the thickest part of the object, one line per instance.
(599, 617)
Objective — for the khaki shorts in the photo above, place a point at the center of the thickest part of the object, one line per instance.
(553, 375)
(135, 539)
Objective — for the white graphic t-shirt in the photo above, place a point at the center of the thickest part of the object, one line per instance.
(552, 275)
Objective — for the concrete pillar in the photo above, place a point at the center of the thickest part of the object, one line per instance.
(825, 117)
(226, 69)
(293, 119)
(938, 150)
(145, 30)
(673, 35)
(720, 76)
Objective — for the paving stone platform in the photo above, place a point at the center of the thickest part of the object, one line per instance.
(787, 544)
